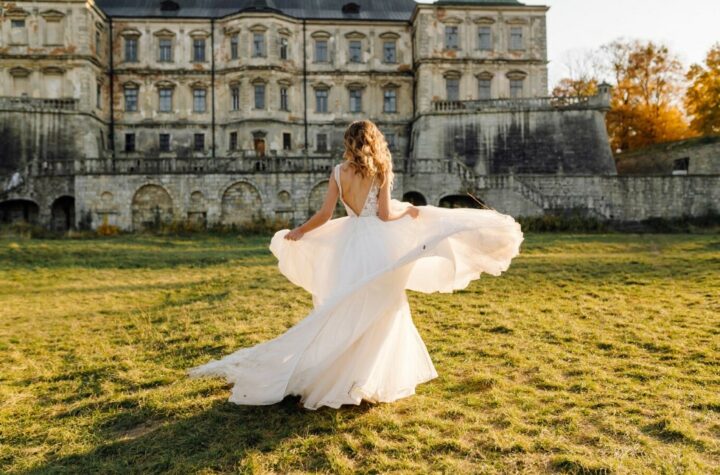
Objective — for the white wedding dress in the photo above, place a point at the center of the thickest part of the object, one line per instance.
(359, 342)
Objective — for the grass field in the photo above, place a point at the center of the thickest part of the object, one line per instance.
(593, 354)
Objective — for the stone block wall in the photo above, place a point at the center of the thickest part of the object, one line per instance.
(522, 142)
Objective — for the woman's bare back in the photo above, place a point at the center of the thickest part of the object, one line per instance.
(355, 188)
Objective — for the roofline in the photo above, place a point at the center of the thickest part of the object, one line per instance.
(492, 7)
(280, 13)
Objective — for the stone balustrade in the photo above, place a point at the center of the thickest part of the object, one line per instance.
(32, 103)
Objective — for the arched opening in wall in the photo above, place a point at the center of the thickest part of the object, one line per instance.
(460, 201)
(19, 211)
(414, 197)
(152, 207)
(316, 198)
(62, 214)
(241, 202)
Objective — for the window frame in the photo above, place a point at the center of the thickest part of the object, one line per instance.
(284, 98)
(355, 51)
(355, 96)
(456, 36)
(256, 88)
(135, 95)
(131, 54)
(261, 51)
(165, 46)
(198, 142)
(394, 52)
(234, 97)
(326, 50)
(394, 92)
(164, 140)
(325, 100)
(130, 142)
(165, 99)
(199, 53)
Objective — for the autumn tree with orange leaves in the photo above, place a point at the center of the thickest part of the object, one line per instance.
(646, 99)
(645, 102)
(702, 98)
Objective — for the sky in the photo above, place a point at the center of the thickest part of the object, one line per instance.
(688, 27)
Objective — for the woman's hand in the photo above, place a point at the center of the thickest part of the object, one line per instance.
(294, 235)
(413, 212)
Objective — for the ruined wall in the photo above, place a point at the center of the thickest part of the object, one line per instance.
(699, 156)
(46, 135)
(529, 141)
(132, 201)
(626, 198)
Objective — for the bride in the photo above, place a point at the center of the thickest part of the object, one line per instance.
(359, 342)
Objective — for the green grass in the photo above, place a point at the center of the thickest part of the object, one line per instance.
(593, 354)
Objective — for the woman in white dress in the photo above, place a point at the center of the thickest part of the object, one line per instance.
(359, 342)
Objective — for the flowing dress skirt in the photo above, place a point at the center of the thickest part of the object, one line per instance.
(359, 342)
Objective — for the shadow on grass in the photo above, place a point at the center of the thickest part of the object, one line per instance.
(220, 438)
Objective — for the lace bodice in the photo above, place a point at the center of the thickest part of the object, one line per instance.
(371, 202)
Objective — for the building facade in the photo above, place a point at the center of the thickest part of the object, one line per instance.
(134, 112)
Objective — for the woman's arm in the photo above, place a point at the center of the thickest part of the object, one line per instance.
(322, 216)
(384, 211)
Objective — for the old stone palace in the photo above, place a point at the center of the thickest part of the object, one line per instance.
(135, 112)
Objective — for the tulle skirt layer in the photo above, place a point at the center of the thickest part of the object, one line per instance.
(359, 342)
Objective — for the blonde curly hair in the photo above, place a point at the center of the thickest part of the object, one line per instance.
(366, 151)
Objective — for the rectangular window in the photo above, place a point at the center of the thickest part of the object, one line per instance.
(17, 23)
(235, 98)
(516, 88)
(322, 143)
(131, 99)
(283, 99)
(131, 50)
(284, 48)
(259, 96)
(164, 142)
(98, 96)
(165, 52)
(390, 100)
(129, 142)
(390, 139)
(452, 88)
(355, 54)
(321, 51)
(321, 100)
(258, 45)
(98, 41)
(681, 166)
(287, 141)
(199, 100)
(355, 100)
(516, 38)
(165, 103)
(199, 142)
(485, 38)
(452, 41)
(235, 46)
(233, 141)
(390, 52)
(484, 89)
(199, 50)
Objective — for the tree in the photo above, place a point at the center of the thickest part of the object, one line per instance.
(702, 98)
(582, 74)
(576, 87)
(644, 107)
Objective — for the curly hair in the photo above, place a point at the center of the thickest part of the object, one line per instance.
(366, 151)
